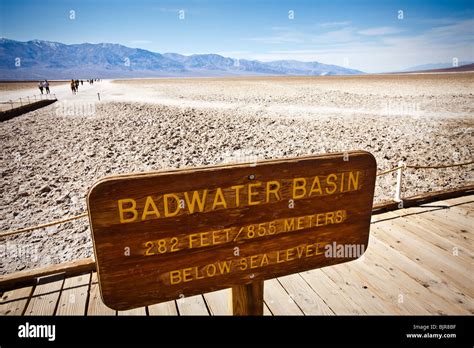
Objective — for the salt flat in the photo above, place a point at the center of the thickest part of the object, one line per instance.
(50, 157)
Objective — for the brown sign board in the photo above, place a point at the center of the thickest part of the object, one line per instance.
(173, 234)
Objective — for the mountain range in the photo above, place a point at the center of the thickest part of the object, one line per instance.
(434, 66)
(38, 59)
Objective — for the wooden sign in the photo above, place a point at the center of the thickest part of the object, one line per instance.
(168, 235)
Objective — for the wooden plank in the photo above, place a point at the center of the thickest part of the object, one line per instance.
(45, 298)
(441, 217)
(133, 312)
(266, 310)
(424, 233)
(447, 247)
(331, 294)
(278, 300)
(457, 237)
(194, 305)
(164, 308)
(356, 286)
(416, 299)
(425, 255)
(436, 295)
(219, 302)
(463, 200)
(14, 302)
(193, 231)
(74, 295)
(96, 306)
(386, 288)
(76, 267)
(304, 296)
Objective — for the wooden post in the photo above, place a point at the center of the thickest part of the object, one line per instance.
(248, 299)
(398, 189)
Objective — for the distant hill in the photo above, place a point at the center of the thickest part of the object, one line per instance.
(462, 68)
(434, 66)
(53, 60)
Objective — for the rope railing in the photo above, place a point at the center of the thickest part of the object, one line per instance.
(397, 198)
(30, 99)
(389, 171)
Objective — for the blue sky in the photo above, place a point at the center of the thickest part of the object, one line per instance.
(365, 35)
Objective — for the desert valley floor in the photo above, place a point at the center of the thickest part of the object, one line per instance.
(52, 156)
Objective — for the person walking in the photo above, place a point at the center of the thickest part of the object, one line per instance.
(40, 86)
(46, 86)
(73, 87)
(77, 85)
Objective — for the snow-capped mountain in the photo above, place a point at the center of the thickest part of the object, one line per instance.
(39, 59)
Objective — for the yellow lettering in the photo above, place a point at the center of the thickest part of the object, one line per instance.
(290, 254)
(339, 216)
(354, 181)
(166, 204)
(276, 188)
(219, 199)
(132, 209)
(237, 188)
(187, 274)
(317, 219)
(204, 238)
(253, 261)
(278, 258)
(195, 199)
(299, 184)
(192, 238)
(317, 249)
(211, 270)
(251, 193)
(243, 264)
(299, 251)
(300, 223)
(332, 183)
(175, 277)
(289, 226)
(150, 204)
(224, 267)
(330, 217)
(316, 187)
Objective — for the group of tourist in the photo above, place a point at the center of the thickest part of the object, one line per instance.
(43, 85)
(75, 84)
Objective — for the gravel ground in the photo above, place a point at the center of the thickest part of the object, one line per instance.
(50, 158)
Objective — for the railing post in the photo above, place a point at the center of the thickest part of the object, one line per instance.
(398, 189)
(11, 103)
(21, 103)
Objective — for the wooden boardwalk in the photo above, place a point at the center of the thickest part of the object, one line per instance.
(419, 261)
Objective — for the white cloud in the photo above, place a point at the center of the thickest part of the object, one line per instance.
(380, 31)
(379, 52)
(334, 24)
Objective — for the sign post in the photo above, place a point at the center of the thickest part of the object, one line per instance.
(248, 299)
(168, 235)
